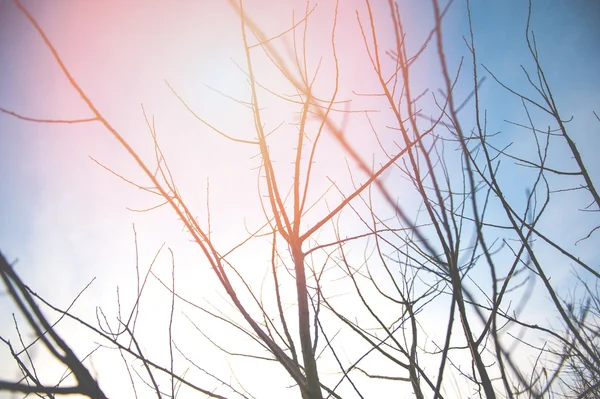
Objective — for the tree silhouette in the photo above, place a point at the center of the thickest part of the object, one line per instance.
(411, 273)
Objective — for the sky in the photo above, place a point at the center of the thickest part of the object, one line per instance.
(68, 220)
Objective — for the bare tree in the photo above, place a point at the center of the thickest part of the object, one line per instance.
(425, 295)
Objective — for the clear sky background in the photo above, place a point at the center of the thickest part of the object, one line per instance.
(67, 220)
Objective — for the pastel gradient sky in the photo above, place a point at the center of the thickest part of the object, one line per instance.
(68, 220)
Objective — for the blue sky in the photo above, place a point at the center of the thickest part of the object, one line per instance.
(66, 219)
